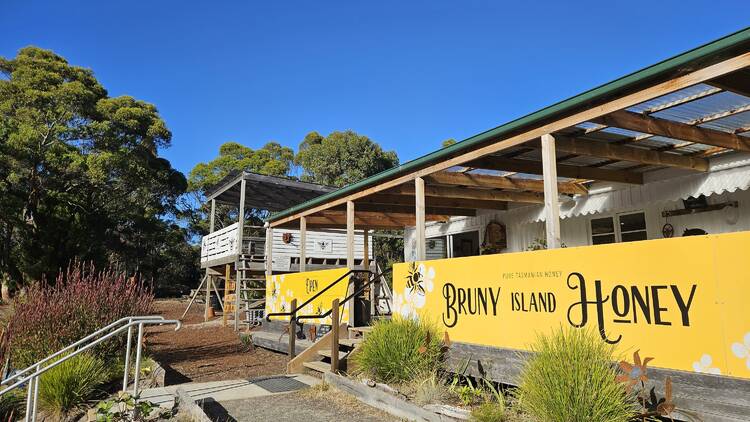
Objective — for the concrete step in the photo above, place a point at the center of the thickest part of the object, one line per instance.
(350, 342)
(318, 366)
(327, 353)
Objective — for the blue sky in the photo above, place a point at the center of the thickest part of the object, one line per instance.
(406, 74)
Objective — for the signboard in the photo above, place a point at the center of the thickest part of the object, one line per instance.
(683, 300)
(282, 263)
(282, 288)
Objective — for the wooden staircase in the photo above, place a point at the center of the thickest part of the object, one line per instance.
(317, 358)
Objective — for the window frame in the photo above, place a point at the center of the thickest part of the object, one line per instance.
(615, 216)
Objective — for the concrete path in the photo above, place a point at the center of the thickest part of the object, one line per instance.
(222, 391)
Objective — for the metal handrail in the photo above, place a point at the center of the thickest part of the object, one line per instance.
(346, 299)
(33, 379)
(293, 311)
(77, 343)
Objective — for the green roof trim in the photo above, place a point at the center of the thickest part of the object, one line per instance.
(618, 86)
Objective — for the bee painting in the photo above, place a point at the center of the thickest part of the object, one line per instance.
(414, 280)
(318, 310)
(275, 291)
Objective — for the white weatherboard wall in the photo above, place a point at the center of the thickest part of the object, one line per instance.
(576, 231)
(336, 238)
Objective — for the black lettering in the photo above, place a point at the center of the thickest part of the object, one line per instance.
(461, 301)
(494, 299)
(684, 307)
(552, 302)
(482, 300)
(658, 310)
(450, 316)
(617, 292)
(643, 304)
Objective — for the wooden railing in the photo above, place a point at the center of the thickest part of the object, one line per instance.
(220, 244)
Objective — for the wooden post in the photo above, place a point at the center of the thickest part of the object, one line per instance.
(240, 249)
(366, 265)
(350, 255)
(269, 250)
(335, 336)
(292, 330)
(366, 252)
(551, 202)
(227, 274)
(209, 278)
(302, 244)
(420, 218)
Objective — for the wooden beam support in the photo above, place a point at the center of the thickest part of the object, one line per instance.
(435, 202)
(350, 236)
(473, 193)
(675, 130)
(573, 172)
(612, 151)
(737, 82)
(366, 250)
(409, 209)
(499, 182)
(269, 250)
(419, 210)
(551, 201)
(302, 244)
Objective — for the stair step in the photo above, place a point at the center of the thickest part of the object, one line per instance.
(327, 353)
(318, 366)
(365, 329)
(350, 342)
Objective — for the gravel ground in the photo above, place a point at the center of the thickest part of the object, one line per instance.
(211, 353)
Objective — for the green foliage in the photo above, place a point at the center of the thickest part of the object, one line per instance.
(12, 405)
(428, 387)
(571, 377)
(398, 348)
(341, 158)
(125, 408)
(81, 175)
(490, 411)
(273, 159)
(69, 385)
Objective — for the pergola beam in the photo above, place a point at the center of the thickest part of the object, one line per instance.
(472, 193)
(500, 182)
(612, 151)
(409, 209)
(386, 199)
(675, 130)
(573, 172)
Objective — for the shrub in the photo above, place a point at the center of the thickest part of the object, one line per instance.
(12, 405)
(426, 388)
(571, 377)
(491, 411)
(398, 348)
(67, 386)
(81, 301)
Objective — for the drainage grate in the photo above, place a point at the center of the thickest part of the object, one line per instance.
(280, 384)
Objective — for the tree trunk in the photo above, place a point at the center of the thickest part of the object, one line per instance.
(5, 291)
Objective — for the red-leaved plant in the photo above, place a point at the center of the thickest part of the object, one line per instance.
(81, 301)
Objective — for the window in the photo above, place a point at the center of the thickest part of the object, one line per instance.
(618, 228)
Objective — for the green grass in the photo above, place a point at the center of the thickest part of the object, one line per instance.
(571, 378)
(397, 349)
(69, 385)
(12, 405)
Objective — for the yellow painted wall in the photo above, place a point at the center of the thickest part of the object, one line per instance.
(695, 291)
(282, 288)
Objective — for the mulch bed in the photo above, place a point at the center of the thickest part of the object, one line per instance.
(209, 353)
